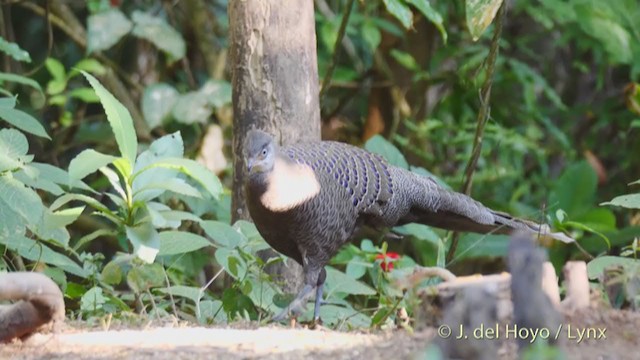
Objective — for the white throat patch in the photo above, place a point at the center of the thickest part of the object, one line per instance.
(289, 185)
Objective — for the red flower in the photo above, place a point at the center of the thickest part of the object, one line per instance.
(387, 261)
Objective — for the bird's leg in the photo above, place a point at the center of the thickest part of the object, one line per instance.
(297, 305)
(319, 287)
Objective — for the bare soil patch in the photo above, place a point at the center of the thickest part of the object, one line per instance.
(271, 342)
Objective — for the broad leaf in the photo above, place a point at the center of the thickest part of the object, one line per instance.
(160, 34)
(88, 162)
(13, 149)
(105, 29)
(400, 11)
(180, 242)
(430, 13)
(143, 278)
(175, 185)
(596, 267)
(379, 145)
(145, 241)
(480, 14)
(189, 292)
(157, 102)
(20, 80)
(631, 201)
(223, 234)
(575, 190)
(168, 146)
(13, 50)
(37, 251)
(23, 121)
(120, 120)
(23, 201)
(195, 170)
(218, 92)
(192, 107)
(339, 282)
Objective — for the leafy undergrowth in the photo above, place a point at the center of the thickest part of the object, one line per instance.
(126, 233)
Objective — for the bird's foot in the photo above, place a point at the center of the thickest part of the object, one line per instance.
(316, 324)
(297, 306)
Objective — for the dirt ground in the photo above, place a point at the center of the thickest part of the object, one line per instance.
(621, 341)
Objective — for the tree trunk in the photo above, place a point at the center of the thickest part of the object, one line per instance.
(275, 87)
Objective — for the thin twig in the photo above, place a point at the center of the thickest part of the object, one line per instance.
(336, 48)
(349, 48)
(483, 116)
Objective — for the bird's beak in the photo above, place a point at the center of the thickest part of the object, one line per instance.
(249, 165)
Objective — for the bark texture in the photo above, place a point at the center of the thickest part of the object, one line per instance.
(275, 86)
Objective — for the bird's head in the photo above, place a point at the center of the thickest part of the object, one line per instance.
(260, 152)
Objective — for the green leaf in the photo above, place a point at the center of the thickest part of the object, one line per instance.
(217, 92)
(177, 186)
(405, 59)
(55, 87)
(23, 121)
(20, 80)
(120, 120)
(379, 145)
(85, 94)
(157, 102)
(13, 150)
(168, 146)
(192, 107)
(231, 262)
(37, 251)
(191, 168)
(58, 176)
(13, 50)
(92, 236)
(21, 200)
(145, 277)
(89, 65)
(111, 273)
(88, 162)
(371, 35)
(575, 190)
(105, 29)
(36, 181)
(92, 300)
(480, 14)
(419, 231)
(64, 217)
(631, 201)
(189, 292)
(478, 245)
(236, 303)
(176, 215)
(597, 21)
(400, 11)
(223, 234)
(357, 267)
(145, 240)
(56, 69)
(339, 282)
(160, 34)
(114, 180)
(211, 310)
(78, 197)
(596, 267)
(180, 242)
(430, 13)
(367, 246)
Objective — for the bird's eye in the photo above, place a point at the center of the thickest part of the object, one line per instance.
(264, 152)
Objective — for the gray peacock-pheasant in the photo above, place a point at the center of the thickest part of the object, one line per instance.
(307, 200)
